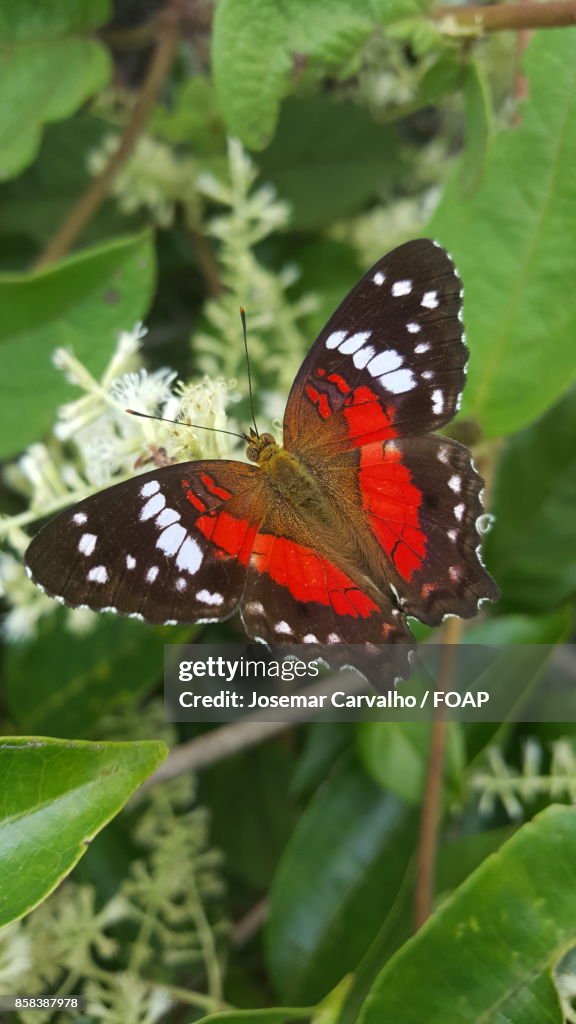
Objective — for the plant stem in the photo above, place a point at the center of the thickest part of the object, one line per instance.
(432, 799)
(88, 204)
(497, 17)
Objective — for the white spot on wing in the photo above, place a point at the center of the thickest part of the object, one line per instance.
(427, 375)
(333, 638)
(398, 382)
(334, 339)
(354, 342)
(363, 356)
(98, 574)
(167, 517)
(130, 562)
(453, 535)
(459, 511)
(430, 300)
(79, 518)
(181, 583)
(443, 454)
(378, 278)
(87, 543)
(152, 573)
(437, 402)
(310, 639)
(283, 627)
(153, 507)
(455, 484)
(401, 288)
(171, 538)
(385, 362)
(149, 488)
(422, 347)
(254, 608)
(413, 328)
(208, 598)
(189, 557)
(484, 522)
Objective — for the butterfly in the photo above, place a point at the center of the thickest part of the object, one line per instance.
(363, 518)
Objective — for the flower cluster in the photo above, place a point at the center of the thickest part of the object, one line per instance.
(94, 442)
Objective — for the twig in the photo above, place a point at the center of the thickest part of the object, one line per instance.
(82, 213)
(497, 17)
(207, 263)
(231, 739)
(432, 799)
(250, 924)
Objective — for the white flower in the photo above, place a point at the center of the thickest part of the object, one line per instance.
(15, 957)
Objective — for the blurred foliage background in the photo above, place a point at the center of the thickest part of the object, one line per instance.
(166, 163)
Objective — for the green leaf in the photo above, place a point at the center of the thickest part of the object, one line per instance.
(280, 1015)
(509, 922)
(54, 797)
(48, 71)
(478, 128)
(62, 683)
(514, 252)
(536, 1003)
(396, 756)
(84, 303)
(532, 549)
(328, 158)
(338, 877)
(261, 49)
(456, 860)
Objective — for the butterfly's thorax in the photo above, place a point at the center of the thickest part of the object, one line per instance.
(293, 483)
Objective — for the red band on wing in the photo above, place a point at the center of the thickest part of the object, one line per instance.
(366, 419)
(309, 577)
(211, 485)
(232, 535)
(194, 500)
(320, 400)
(392, 501)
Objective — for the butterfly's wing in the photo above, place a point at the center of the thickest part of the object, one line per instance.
(390, 361)
(297, 595)
(388, 368)
(167, 546)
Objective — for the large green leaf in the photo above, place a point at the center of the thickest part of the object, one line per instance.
(261, 48)
(63, 683)
(478, 956)
(532, 549)
(338, 878)
(54, 797)
(82, 303)
(328, 159)
(48, 70)
(513, 246)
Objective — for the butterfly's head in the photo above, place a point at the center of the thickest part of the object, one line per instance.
(260, 446)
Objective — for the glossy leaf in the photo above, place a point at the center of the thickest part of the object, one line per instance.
(54, 797)
(514, 252)
(48, 70)
(459, 967)
(63, 683)
(338, 877)
(261, 49)
(82, 303)
(532, 549)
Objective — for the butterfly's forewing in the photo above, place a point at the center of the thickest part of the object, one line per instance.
(390, 361)
(167, 546)
(389, 366)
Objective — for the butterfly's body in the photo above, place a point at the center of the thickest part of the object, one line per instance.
(363, 518)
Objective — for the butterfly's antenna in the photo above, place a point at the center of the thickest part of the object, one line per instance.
(243, 319)
(182, 423)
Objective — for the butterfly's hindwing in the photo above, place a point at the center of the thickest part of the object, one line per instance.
(296, 596)
(390, 361)
(167, 546)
